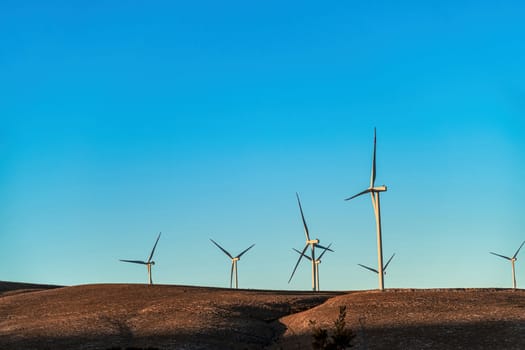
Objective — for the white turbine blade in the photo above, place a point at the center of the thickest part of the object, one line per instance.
(388, 262)
(302, 216)
(324, 251)
(298, 261)
(501, 256)
(373, 175)
(221, 248)
(304, 255)
(155, 246)
(231, 275)
(359, 194)
(517, 251)
(368, 268)
(244, 251)
(325, 248)
(135, 261)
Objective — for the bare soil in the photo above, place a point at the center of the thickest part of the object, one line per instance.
(184, 317)
(11, 288)
(419, 319)
(164, 317)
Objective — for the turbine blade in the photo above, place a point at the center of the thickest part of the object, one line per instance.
(517, 251)
(501, 256)
(306, 256)
(221, 248)
(325, 248)
(135, 261)
(302, 216)
(388, 262)
(359, 194)
(324, 251)
(155, 246)
(368, 268)
(373, 175)
(244, 251)
(231, 275)
(298, 261)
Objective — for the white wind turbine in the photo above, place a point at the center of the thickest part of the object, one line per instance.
(512, 260)
(149, 262)
(317, 262)
(234, 262)
(374, 270)
(312, 243)
(374, 192)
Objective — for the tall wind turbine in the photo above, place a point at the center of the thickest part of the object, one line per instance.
(312, 243)
(149, 262)
(374, 270)
(234, 262)
(317, 262)
(374, 192)
(512, 260)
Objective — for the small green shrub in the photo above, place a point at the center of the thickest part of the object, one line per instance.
(337, 338)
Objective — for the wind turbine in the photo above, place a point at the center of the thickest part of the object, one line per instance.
(312, 243)
(147, 263)
(512, 260)
(317, 262)
(234, 262)
(384, 267)
(374, 192)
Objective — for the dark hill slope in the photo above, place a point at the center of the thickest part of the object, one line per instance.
(166, 317)
(421, 319)
(10, 288)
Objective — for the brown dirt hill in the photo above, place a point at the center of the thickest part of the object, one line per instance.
(11, 288)
(419, 319)
(179, 317)
(164, 317)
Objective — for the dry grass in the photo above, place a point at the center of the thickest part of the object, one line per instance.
(179, 317)
(421, 319)
(167, 317)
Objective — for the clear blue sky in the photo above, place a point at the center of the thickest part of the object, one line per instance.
(124, 119)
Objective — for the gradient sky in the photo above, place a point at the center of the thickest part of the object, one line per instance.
(202, 120)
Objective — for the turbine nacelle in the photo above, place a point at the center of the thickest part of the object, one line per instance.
(313, 241)
(236, 259)
(378, 189)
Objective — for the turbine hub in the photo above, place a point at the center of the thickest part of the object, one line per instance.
(379, 189)
(313, 241)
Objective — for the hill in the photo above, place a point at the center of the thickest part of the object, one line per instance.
(11, 288)
(167, 317)
(420, 319)
(184, 317)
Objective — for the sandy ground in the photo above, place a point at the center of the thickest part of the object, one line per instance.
(183, 317)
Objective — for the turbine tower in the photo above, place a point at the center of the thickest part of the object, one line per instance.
(374, 270)
(317, 262)
(312, 243)
(512, 260)
(374, 192)
(234, 262)
(149, 262)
